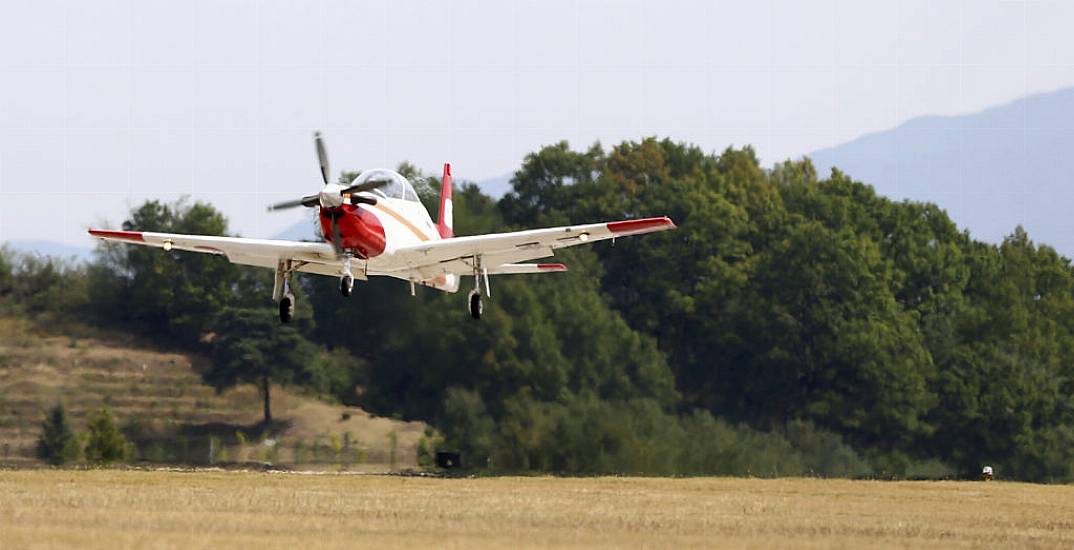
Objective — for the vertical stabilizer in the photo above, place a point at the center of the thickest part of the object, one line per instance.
(444, 220)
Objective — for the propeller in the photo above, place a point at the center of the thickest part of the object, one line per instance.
(332, 195)
(322, 156)
(311, 200)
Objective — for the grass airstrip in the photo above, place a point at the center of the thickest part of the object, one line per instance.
(203, 509)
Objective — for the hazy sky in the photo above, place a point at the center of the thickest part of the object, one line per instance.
(103, 104)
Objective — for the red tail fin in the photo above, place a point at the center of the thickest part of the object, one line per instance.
(444, 221)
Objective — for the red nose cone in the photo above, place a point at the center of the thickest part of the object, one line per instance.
(359, 229)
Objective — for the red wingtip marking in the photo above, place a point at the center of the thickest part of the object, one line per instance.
(643, 225)
(122, 235)
(552, 267)
(447, 168)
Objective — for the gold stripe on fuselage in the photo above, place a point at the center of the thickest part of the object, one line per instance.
(399, 218)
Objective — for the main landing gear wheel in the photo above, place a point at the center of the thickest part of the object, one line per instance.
(475, 304)
(287, 308)
(346, 285)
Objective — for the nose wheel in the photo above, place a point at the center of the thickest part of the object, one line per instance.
(346, 280)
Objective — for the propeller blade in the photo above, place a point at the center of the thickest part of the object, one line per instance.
(309, 200)
(322, 156)
(366, 186)
(335, 234)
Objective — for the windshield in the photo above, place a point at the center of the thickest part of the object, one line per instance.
(397, 188)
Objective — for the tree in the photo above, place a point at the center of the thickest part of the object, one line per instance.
(5, 271)
(57, 444)
(547, 183)
(250, 346)
(794, 322)
(106, 444)
(173, 292)
(44, 284)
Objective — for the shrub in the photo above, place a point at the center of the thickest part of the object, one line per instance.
(57, 444)
(298, 455)
(824, 453)
(106, 443)
(393, 447)
(428, 444)
(337, 445)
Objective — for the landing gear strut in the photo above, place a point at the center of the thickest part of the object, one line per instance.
(474, 299)
(346, 282)
(281, 292)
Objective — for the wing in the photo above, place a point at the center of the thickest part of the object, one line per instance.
(456, 256)
(315, 257)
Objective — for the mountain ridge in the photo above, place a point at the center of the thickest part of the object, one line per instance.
(992, 170)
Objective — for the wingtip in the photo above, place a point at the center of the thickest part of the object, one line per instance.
(120, 235)
(552, 267)
(643, 225)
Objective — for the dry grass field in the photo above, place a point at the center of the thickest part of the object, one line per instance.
(128, 509)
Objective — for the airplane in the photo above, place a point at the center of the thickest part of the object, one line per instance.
(377, 226)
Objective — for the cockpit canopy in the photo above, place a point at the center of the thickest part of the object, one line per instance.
(397, 188)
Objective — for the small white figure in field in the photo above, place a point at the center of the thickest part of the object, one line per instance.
(986, 473)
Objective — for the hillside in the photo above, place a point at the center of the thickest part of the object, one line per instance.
(158, 398)
(991, 170)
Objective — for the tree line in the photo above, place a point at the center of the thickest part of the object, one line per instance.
(793, 324)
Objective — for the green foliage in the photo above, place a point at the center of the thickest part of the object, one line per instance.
(298, 453)
(393, 447)
(57, 444)
(251, 346)
(171, 292)
(6, 276)
(795, 323)
(336, 443)
(41, 286)
(587, 435)
(825, 454)
(428, 444)
(105, 443)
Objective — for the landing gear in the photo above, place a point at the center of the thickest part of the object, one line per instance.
(475, 295)
(475, 304)
(287, 308)
(281, 291)
(346, 282)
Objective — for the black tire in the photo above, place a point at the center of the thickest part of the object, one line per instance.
(287, 309)
(476, 307)
(346, 285)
